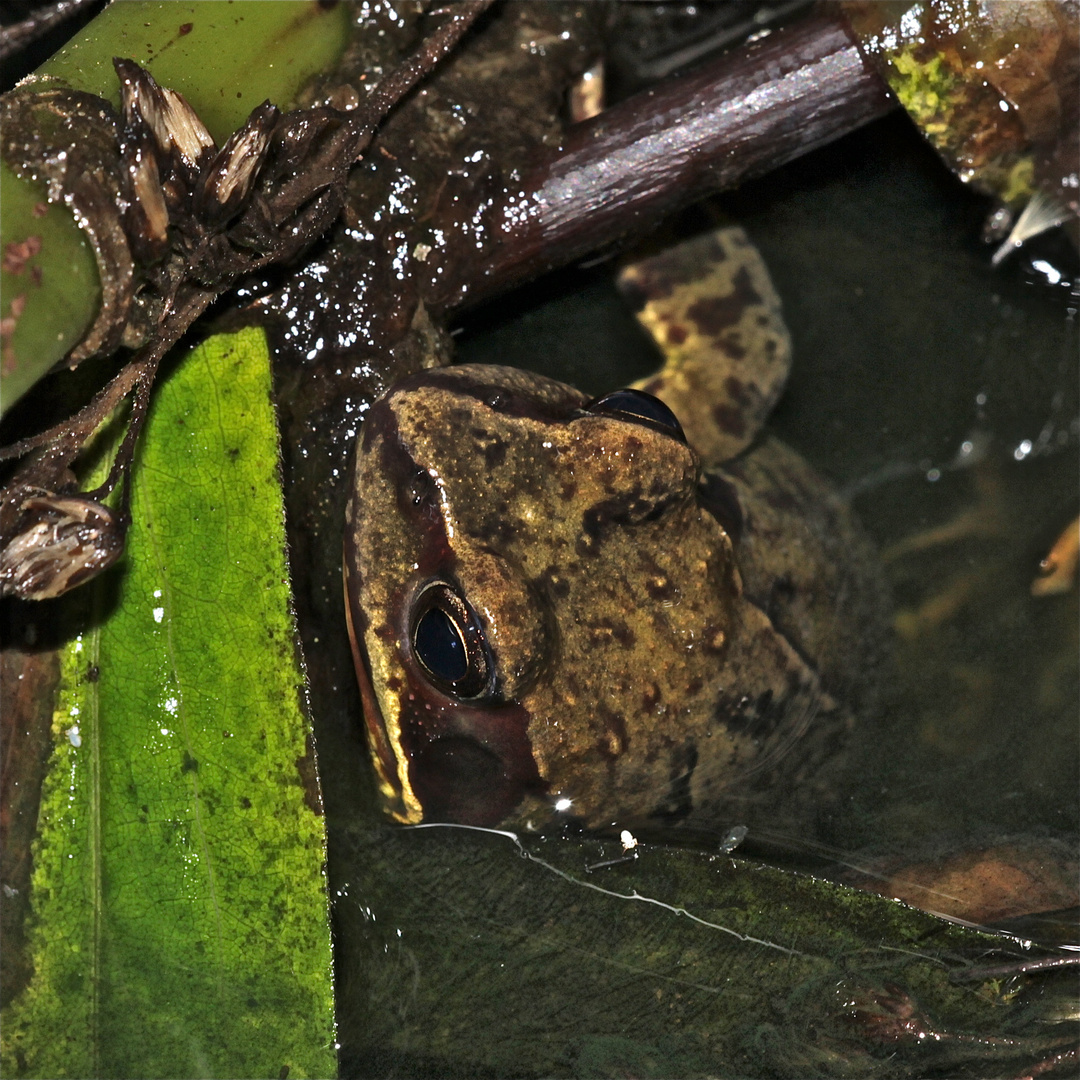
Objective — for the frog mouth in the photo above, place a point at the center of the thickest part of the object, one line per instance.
(391, 764)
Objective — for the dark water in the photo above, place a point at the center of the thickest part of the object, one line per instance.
(942, 397)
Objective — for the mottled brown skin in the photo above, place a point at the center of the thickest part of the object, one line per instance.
(667, 645)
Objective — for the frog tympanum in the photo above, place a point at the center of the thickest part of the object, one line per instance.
(633, 609)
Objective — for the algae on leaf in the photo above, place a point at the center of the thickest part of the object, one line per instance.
(178, 899)
(992, 87)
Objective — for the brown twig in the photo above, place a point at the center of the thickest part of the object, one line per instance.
(440, 44)
(742, 115)
(76, 428)
(38, 23)
(345, 146)
(146, 366)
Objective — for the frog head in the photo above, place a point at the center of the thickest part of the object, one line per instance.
(537, 598)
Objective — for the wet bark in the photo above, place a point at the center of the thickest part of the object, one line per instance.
(742, 115)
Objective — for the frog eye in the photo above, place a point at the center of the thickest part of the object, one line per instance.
(448, 641)
(638, 405)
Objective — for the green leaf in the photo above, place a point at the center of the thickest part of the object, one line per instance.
(180, 917)
(50, 296)
(225, 58)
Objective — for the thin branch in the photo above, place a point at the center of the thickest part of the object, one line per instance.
(744, 114)
(19, 35)
(79, 426)
(345, 146)
(439, 45)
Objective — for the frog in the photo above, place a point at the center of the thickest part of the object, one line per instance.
(638, 610)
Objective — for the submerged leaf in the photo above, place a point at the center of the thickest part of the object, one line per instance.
(178, 904)
(592, 959)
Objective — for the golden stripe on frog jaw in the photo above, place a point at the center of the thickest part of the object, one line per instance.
(383, 728)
